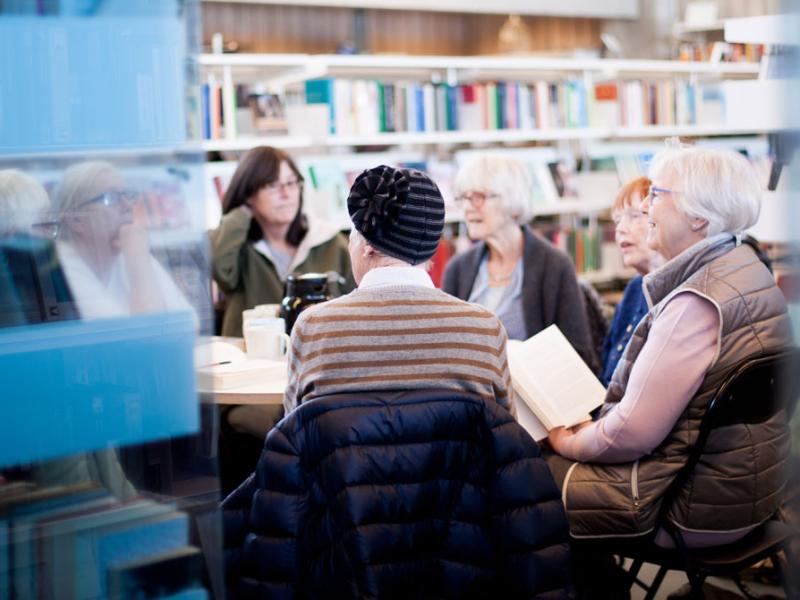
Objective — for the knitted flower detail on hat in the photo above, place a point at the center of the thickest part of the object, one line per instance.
(377, 197)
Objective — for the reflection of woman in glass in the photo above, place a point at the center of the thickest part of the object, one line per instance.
(23, 201)
(264, 236)
(104, 253)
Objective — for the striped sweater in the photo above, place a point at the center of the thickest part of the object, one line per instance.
(398, 337)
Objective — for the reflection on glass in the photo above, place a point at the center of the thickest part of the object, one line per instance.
(104, 252)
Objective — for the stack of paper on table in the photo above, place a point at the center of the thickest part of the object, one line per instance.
(222, 366)
(555, 386)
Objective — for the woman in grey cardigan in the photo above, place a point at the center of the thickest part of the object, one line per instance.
(512, 271)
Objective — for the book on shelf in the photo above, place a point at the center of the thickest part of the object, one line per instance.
(554, 387)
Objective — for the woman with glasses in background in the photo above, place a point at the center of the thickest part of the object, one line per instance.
(512, 271)
(265, 236)
(630, 225)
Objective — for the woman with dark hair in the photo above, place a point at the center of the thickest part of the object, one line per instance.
(265, 236)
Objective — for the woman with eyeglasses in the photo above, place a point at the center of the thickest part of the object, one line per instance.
(511, 270)
(712, 305)
(630, 227)
(104, 253)
(265, 236)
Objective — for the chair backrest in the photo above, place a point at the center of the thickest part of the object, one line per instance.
(752, 392)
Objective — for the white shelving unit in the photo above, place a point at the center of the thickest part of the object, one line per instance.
(281, 70)
(522, 67)
(477, 137)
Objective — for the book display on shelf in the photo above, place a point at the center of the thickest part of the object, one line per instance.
(525, 99)
(359, 107)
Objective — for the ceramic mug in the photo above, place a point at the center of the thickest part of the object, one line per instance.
(265, 337)
(268, 311)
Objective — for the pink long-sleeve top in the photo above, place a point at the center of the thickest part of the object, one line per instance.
(680, 348)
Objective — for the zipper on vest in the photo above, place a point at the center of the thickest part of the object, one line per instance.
(635, 483)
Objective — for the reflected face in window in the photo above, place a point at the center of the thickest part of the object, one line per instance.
(105, 206)
(277, 203)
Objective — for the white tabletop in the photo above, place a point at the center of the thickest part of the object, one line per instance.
(269, 391)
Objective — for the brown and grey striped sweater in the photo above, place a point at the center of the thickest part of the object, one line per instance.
(398, 337)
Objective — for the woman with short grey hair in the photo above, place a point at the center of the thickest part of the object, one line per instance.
(718, 187)
(511, 270)
(713, 304)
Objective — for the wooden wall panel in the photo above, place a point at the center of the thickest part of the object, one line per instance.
(278, 28)
(415, 32)
(282, 28)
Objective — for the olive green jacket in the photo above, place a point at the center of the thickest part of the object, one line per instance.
(248, 277)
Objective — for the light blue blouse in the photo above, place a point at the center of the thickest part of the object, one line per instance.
(505, 302)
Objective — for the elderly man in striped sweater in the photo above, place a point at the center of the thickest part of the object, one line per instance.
(396, 331)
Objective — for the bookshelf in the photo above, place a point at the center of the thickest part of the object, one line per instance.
(287, 74)
(478, 137)
(648, 98)
(349, 65)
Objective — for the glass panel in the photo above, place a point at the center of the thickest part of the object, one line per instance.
(108, 473)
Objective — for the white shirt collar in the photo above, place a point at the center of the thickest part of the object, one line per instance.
(382, 276)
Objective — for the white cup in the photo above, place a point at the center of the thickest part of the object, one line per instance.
(269, 311)
(265, 337)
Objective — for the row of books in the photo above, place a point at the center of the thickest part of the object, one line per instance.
(365, 107)
(720, 52)
(368, 107)
(79, 542)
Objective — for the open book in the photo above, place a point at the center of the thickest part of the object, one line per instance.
(553, 384)
(222, 366)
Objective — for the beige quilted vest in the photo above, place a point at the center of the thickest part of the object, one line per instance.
(740, 478)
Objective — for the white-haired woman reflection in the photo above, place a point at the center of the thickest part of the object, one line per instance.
(23, 202)
(104, 253)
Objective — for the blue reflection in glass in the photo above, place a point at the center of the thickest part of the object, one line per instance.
(77, 386)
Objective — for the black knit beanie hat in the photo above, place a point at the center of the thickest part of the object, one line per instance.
(399, 211)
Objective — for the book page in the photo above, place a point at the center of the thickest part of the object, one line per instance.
(549, 375)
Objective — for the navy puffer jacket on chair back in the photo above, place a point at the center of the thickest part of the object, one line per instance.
(432, 494)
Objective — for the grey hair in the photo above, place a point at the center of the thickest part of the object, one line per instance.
(720, 186)
(503, 175)
(22, 200)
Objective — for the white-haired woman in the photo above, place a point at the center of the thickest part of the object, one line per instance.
(712, 305)
(105, 254)
(23, 202)
(512, 271)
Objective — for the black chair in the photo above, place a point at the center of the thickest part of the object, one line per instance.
(752, 392)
